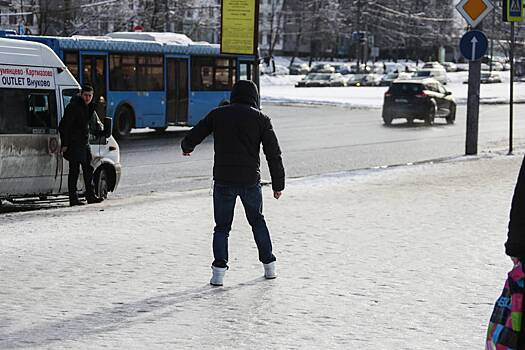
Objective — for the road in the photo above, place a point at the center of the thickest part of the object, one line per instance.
(314, 140)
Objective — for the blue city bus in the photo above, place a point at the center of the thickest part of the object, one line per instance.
(151, 81)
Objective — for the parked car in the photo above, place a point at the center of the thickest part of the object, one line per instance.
(387, 79)
(425, 99)
(362, 68)
(487, 77)
(306, 78)
(371, 79)
(322, 68)
(355, 79)
(450, 66)
(322, 80)
(299, 69)
(438, 74)
(342, 68)
(433, 65)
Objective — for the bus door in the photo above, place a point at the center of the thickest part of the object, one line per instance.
(94, 73)
(177, 91)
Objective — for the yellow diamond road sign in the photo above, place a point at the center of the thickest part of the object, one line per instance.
(474, 10)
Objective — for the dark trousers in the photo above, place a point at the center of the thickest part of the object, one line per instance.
(74, 171)
(224, 198)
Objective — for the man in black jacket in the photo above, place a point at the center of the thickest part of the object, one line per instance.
(74, 135)
(239, 129)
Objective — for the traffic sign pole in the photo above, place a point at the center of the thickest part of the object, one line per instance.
(474, 74)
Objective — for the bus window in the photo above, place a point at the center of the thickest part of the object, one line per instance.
(123, 72)
(25, 111)
(209, 74)
(245, 70)
(71, 62)
(150, 73)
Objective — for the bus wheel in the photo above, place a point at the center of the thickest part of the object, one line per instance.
(102, 183)
(123, 123)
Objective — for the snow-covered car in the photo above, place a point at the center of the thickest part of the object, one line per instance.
(322, 68)
(438, 74)
(450, 66)
(371, 79)
(362, 69)
(299, 69)
(342, 68)
(497, 66)
(322, 80)
(306, 78)
(388, 78)
(326, 79)
(487, 77)
(433, 65)
(355, 79)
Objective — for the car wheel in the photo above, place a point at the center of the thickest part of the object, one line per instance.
(387, 120)
(102, 183)
(431, 115)
(451, 118)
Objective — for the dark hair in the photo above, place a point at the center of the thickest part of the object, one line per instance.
(87, 88)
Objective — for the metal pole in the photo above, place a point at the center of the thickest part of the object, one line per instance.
(492, 39)
(511, 102)
(474, 74)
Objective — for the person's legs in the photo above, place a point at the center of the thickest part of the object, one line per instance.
(72, 179)
(87, 173)
(251, 197)
(223, 207)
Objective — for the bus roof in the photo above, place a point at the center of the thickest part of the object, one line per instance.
(154, 44)
(26, 53)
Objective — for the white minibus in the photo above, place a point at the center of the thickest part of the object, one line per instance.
(35, 87)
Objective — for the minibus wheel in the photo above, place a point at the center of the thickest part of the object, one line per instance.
(123, 123)
(102, 183)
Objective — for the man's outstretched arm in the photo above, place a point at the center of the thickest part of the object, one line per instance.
(196, 135)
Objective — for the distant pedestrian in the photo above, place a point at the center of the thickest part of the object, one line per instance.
(74, 136)
(515, 245)
(238, 130)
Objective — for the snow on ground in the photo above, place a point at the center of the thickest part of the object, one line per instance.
(403, 258)
(280, 89)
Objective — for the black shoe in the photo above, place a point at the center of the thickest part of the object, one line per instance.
(75, 202)
(94, 199)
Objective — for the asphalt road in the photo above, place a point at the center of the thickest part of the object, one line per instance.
(314, 140)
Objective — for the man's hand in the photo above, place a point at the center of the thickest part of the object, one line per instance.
(186, 154)
(277, 194)
(514, 260)
(63, 149)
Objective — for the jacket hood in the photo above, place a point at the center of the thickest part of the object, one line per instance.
(245, 92)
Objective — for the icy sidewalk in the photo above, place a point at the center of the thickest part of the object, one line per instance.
(402, 258)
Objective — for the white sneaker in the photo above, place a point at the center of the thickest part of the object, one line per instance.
(218, 275)
(269, 270)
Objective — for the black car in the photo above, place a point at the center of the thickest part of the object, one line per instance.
(418, 99)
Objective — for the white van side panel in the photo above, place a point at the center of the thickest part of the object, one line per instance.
(28, 165)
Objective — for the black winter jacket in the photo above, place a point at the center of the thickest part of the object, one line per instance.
(74, 129)
(515, 245)
(238, 130)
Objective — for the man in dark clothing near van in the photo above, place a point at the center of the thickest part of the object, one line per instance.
(74, 136)
(238, 130)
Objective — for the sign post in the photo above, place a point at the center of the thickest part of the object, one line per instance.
(512, 12)
(473, 46)
(240, 30)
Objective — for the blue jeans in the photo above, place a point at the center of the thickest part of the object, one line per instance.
(224, 197)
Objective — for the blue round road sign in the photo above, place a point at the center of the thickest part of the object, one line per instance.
(473, 45)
